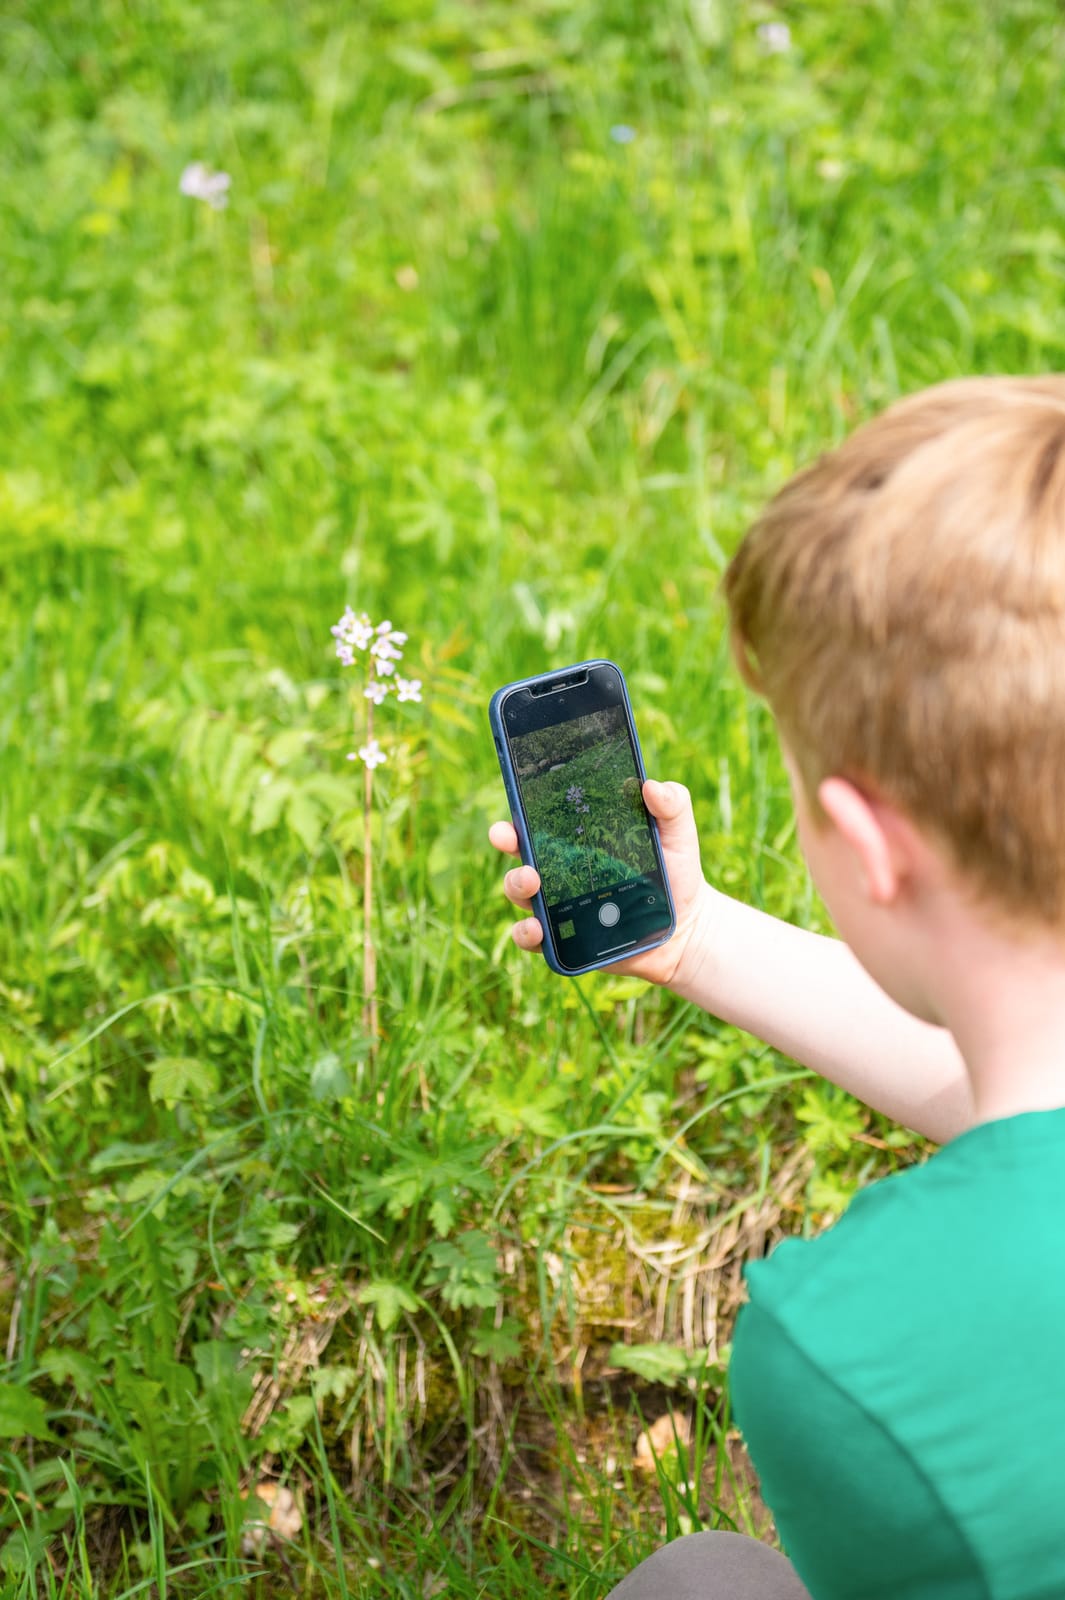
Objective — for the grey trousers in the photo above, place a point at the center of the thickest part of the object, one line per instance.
(712, 1566)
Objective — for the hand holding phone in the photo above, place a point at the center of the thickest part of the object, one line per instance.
(571, 764)
(670, 805)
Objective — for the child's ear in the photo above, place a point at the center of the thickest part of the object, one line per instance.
(869, 834)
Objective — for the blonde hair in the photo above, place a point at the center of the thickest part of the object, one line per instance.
(901, 605)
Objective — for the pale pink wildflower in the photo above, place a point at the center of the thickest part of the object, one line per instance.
(371, 753)
(199, 183)
(354, 632)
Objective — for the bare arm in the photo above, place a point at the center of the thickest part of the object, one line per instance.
(804, 994)
(810, 998)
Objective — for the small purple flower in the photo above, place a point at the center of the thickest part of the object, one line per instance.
(574, 794)
(376, 691)
(345, 655)
(580, 830)
(408, 689)
(585, 810)
(385, 666)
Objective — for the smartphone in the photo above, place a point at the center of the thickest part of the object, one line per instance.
(574, 776)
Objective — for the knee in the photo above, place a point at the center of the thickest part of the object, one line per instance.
(712, 1566)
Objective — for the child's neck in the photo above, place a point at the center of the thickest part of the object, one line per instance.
(1003, 999)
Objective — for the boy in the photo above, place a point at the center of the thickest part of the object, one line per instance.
(899, 1380)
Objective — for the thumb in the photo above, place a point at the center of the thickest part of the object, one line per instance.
(671, 806)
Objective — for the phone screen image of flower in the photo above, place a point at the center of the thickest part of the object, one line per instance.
(583, 804)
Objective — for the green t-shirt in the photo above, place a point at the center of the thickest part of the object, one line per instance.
(900, 1381)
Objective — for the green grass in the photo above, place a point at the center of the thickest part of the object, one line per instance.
(454, 355)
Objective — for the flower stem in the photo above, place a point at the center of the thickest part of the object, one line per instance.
(369, 954)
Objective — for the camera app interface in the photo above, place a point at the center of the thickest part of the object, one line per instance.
(593, 846)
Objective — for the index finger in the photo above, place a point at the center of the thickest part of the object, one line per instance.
(503, 836)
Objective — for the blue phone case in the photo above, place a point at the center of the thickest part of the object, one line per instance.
(510, 782)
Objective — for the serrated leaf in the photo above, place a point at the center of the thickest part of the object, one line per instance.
(152, 1181)
(74, 1367)
(442, 1215)
(287, 1427)
(216, 1361)
(499, 1344)
(388, 1299)
(333, 1382)
(22, 1414)
(175, 1078)
(466, 1270)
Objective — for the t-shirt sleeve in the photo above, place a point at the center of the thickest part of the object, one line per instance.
(856, 1515)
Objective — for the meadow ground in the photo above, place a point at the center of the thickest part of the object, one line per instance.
(513, 318)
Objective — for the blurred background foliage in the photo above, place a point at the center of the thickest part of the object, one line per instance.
(514, 318)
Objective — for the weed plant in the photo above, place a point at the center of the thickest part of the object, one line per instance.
(513, 318)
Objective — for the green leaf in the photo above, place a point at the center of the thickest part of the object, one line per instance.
(334, 1383)
(286, 746)
(329, 1081)
(389, 1299)
(225, 1379)
(195, 887)
(269, 802)
(657, 1363)
(288, 1427)
(22, 1414)
(281, 1234)
(124, 1154)
(525, 1103)
(152, 1181)
(499, 1344)
(416, 1173)
(217, 1362)
(174, 1078)
(442, 1214)
(304, 817)
(73, 1367)
(466, 1270)
(832, 1118)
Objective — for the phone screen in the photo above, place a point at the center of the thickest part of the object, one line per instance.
(578, 778)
